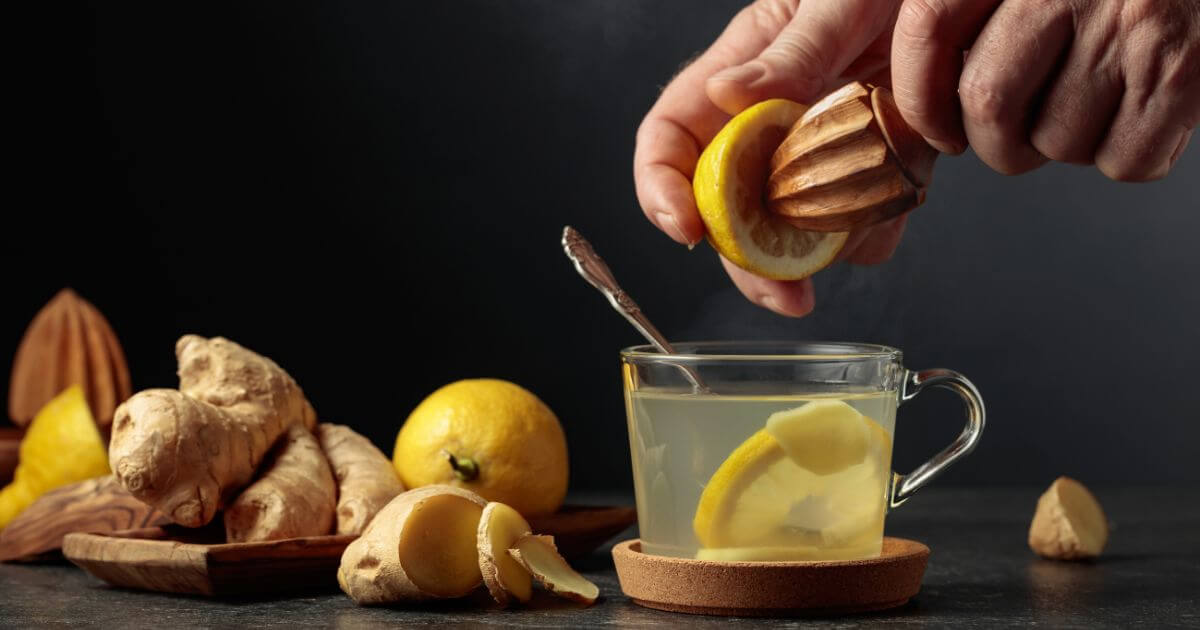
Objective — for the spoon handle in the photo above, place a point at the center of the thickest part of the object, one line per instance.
(596, 272)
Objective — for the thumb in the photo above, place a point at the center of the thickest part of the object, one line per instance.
(807, 57)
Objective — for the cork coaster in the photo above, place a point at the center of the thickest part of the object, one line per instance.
(772, 589)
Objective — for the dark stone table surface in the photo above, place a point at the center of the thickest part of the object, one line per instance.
(981, 574)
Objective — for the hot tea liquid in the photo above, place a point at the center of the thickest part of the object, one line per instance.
(813, 493)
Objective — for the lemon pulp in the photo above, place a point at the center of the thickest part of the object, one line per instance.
(808, 486)
(730, 177)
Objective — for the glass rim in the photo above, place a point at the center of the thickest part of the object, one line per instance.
(773, 351)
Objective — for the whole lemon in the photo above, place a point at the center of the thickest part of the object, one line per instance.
(489, 436)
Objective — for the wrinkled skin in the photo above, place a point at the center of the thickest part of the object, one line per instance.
(1114, 83)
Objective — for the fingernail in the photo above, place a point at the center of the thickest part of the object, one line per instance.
(672, 227)
(772, 304)
(745, 74)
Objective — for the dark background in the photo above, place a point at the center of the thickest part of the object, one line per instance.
(372, 194)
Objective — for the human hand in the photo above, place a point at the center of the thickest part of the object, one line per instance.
(1110, 82)
(772, 49)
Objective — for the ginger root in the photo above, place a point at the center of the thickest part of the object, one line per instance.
(421, 545)
(293, 497)
(366, 479)
(540, 557)
(1069, 523)
(220, 372)
(186, 452)
(500, 527)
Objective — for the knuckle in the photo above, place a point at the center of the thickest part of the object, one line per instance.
(770, 16)
(922, 19)
(1136, 13)
(793, 50)
(1181, 78)
(982, 102)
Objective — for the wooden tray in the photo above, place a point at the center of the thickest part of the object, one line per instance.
(579, 529)
(177, 560)
(147, 559)
(772, 589)
(94, 506)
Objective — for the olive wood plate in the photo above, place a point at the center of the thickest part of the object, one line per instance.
(172, 559)
(772, 589)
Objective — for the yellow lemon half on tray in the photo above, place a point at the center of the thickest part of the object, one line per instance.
(808, 486)
(730, 178)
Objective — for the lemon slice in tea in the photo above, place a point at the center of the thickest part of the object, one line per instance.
(812, 481)
(730, 178)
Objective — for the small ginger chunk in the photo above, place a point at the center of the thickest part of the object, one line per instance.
(500, 527)
(1069, 523)
(540, 557)
(421, 545)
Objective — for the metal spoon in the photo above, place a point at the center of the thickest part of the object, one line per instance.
(596, 272)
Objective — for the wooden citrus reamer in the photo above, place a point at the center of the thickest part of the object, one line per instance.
(849, 162)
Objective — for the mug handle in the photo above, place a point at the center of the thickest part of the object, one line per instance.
(903, 486)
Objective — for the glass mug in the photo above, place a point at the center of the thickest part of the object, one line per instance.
(731, 463)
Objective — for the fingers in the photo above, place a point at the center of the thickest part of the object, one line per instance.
(663, 162)
(795, 298)
(820, 40)
(792, 298)
(1161, 102)
(1079, 107)
(853, 242)
(928, 45)
(1143, 142)
(681, 122)
(1016, 55)
(880, 243)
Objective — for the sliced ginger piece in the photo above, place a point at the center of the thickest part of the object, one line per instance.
(437, 546)
(421, 545)
(500, 527)
(540, 557)
(1069, 523)
(824, 436)
(815, 476)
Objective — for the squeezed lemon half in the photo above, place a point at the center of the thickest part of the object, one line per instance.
(808, 486)
(730, 177)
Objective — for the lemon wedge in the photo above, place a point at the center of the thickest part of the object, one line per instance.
(729, 181)
(811, 482)
(748, 497)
